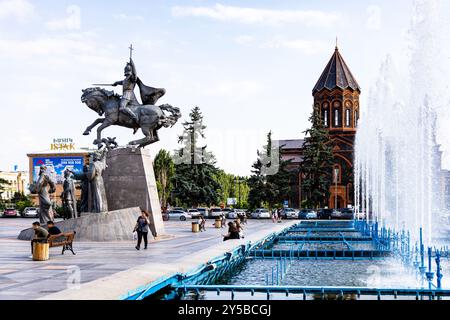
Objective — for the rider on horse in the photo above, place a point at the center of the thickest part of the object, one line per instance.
(128, 85)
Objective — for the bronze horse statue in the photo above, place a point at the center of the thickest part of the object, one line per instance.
(150, 117)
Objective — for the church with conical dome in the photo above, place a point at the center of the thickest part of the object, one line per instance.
(336, 97)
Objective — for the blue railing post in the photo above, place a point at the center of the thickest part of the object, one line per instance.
(430, 274)
(422, 253)
(438, 269)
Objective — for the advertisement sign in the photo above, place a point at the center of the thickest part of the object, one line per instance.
(62, 144)
(56, 166)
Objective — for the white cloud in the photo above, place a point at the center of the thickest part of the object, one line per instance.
(244, 39)
(305, 46)
(258, 16)
(374, 20)
(18, 9)
(71, 22)
(126, 17)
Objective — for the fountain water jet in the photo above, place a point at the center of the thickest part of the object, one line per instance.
(397, 158)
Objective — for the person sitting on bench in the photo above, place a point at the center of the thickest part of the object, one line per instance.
(40, 235)
(233, 233)
(52, 229)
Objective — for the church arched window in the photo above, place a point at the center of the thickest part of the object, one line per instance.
(325, 118)
(336, 174)
(337, 114)
(347, 117)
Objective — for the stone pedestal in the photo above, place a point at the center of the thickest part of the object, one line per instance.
(130, 182)
(106, 226)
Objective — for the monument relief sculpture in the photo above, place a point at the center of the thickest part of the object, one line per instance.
(85, 190)
(98, 165)
(44, 186)
(68, 197)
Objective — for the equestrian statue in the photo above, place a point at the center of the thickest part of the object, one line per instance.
(126, 111)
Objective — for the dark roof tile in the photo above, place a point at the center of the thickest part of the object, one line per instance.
(336, 75)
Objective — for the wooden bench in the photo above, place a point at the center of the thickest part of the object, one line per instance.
(65, 240)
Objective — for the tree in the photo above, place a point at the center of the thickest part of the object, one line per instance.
(233, 186)
(195, 180)
(272, 186)
(317, 164)
(3, 185)
(164, 172)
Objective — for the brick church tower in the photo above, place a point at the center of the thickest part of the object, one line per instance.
(336, 95)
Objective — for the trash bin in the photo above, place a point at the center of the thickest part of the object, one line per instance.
(195, 226)
(40, 251)
(218, 223)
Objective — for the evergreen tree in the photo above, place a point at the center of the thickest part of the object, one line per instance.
(317, 163)
(164, 172)
(195, 181)
(272, 186)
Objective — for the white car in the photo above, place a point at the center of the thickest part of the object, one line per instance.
(178, 215)
(30, 212)
(215, 212)
(261, 214)
(289, 213)
(194, 213)
(232, 214)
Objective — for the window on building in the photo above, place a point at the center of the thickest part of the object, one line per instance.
(336, 117)
(356, 118)
(336, 174)
(325, 118)
(347, 117)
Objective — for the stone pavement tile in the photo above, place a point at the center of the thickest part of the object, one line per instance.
(102, 262)
(3, 271)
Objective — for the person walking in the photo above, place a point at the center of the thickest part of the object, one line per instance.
(223, 220)
(142, 227)
(239, 228)
(202, 223)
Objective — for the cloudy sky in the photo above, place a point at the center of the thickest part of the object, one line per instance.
(249, 65)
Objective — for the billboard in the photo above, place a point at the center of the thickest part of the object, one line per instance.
(56, 166)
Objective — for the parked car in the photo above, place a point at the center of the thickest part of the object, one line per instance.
(307, 214)
(215, 212)
(10, 212)
(203, 212)
(289, 213)
(325, 213)
(261, 214)
(226, 210)
(347, 213)
(30, 212)
(194, 213)
(178, 215)
(231, 214)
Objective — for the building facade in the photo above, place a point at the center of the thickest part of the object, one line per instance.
(17, 182)
(336, 98)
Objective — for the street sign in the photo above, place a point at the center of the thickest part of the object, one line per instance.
(231, 201)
